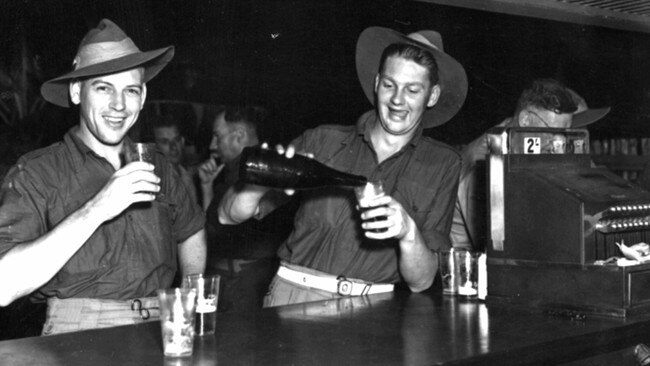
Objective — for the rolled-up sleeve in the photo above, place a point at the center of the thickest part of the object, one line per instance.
(22, 216)
(437, 224)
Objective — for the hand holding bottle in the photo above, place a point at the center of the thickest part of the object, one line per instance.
(287, 170)
(288, 153)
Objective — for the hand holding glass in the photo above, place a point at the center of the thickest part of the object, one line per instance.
(365, 195)
(140, 152)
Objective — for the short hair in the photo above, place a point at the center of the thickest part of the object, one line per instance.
(413, 53)
(547, 94)
(249, 116)
(165, 120)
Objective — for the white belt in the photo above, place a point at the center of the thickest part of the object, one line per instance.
(340, 285)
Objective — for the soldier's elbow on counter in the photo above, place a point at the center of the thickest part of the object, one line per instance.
(421, 287)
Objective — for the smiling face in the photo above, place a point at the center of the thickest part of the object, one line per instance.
(404, 92)
(109, 105)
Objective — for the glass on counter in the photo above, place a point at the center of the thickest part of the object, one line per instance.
(177, 309)
(459, 272)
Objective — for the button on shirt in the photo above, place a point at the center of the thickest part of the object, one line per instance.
(327, 235)
(130, 256)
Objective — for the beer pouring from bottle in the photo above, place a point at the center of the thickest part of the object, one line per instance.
(264, 167)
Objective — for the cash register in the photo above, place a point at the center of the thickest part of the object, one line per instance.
(554, 221)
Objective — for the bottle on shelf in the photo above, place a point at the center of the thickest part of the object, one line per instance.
(268, 168)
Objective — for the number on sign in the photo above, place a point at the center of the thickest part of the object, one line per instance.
(532, 145)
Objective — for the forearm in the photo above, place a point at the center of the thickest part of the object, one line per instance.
(192, 254)
(30, 265)
(239, 205)
(417, 263)
(207, 195)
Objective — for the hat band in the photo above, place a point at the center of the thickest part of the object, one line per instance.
(95, 53)
(420, 38)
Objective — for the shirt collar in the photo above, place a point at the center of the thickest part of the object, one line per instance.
(368, 120)
(77, 148)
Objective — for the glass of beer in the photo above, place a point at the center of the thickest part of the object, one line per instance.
(207, 297)
(459, 272)
(365, 194)
(177, 307)
(139, 152)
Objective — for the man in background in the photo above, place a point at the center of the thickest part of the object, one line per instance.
(244, 255)
(544, 103)
(170, 141)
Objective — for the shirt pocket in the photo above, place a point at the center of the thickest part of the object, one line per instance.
(417, 200)
(157, 229)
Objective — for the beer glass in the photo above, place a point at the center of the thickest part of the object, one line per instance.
(207, 296)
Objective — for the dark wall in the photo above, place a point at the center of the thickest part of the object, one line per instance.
(297, 57)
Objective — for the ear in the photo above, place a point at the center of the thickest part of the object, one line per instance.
(240, 134)
(376, 82)
(524, 118)
(435, 94)
(144, 95)
(75, 92)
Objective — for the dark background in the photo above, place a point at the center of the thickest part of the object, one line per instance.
(297, 57)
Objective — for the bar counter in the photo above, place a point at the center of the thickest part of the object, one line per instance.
(398, 328)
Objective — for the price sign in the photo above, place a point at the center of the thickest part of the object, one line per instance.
(532, 145)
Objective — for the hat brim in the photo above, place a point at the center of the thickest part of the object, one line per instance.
(56, 90)
(451, 74)
(589, 116)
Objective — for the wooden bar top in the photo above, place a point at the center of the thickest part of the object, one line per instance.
(398, 328)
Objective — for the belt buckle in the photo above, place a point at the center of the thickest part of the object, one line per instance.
(344, 286)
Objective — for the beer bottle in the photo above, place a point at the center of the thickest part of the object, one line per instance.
(268, 168)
